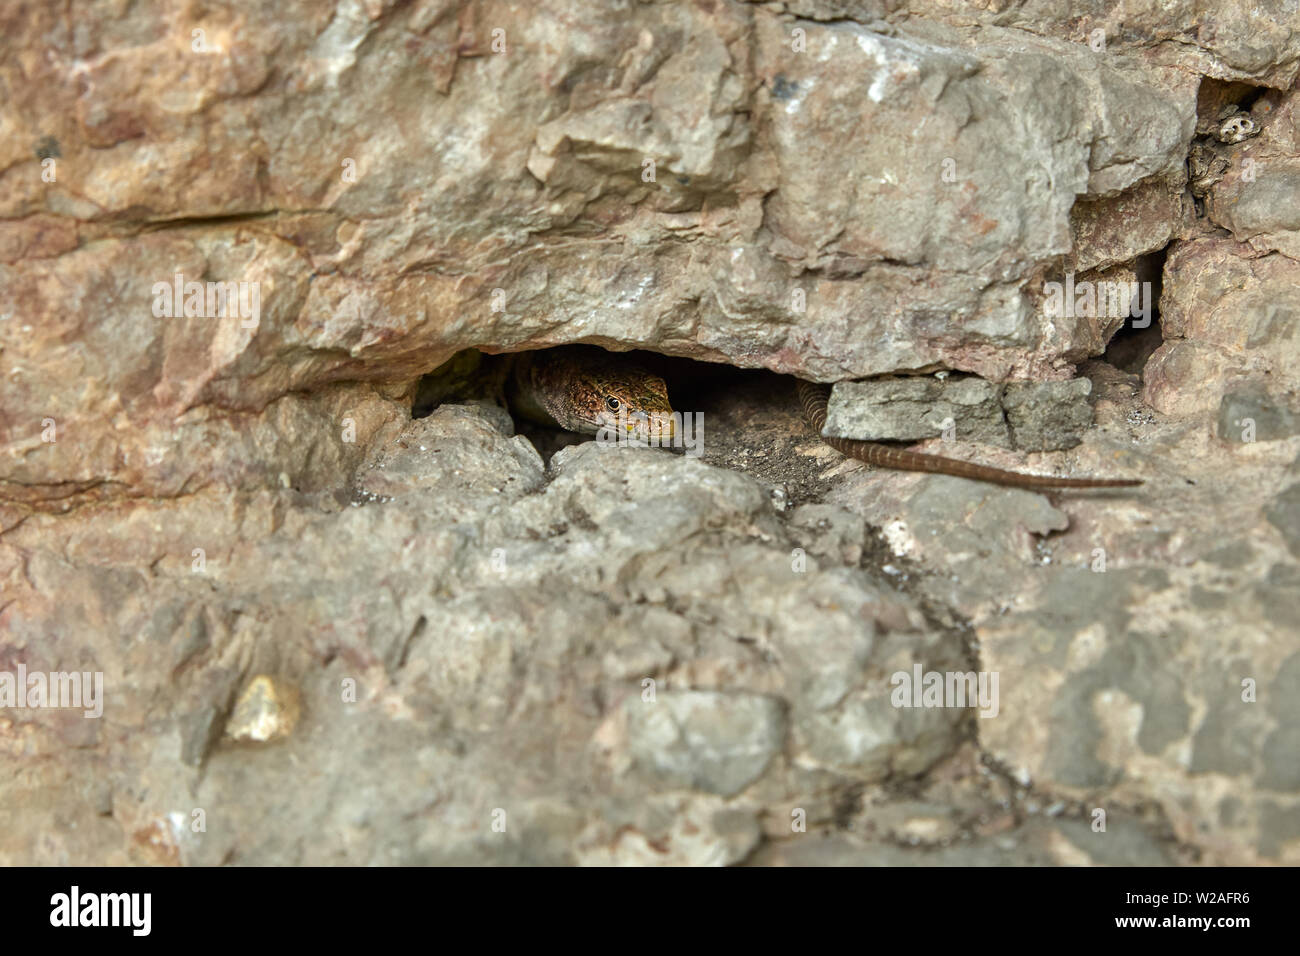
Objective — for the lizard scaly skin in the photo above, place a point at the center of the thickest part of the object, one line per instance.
(583, 389)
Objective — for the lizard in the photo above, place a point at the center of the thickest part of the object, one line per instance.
(585, 389)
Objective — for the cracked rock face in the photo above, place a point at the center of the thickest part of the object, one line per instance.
(1034, 417)
(233, 240)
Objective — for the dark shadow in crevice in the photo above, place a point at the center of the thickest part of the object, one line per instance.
(1131, 346)
(1213, 95)
(751, 417)
(470, 375)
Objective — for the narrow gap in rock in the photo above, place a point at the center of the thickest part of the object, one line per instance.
(751, 418)
(1213, 95)
(752, 424)
(1227, 114)
(1131, 346)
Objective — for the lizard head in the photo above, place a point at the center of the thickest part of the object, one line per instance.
(623, 396)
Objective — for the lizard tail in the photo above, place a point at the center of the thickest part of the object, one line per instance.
(813, 398)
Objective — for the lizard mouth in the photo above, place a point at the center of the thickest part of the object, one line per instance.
(662, 428)
(656, 428)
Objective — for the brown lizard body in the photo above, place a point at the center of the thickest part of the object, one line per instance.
(582, 389)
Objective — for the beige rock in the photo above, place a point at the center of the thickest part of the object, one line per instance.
(218, 499)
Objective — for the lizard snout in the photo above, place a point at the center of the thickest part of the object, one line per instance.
(657, 426)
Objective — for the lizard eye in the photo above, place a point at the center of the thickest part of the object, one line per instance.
(611, 403)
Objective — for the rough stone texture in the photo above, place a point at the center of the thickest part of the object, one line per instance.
(1255, 42)
(272, 158)
(331, 633)
(1123, 630)
(1253, 415)
(704, 740)
(1228, 318)
(1048, 416)
(1112, 231)
(1040, 416)
(1284, 514)
(476, 615)
(1256, 198)
(909, 409)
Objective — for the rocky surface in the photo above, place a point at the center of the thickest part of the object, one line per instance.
(1039, 416)
(332, 631)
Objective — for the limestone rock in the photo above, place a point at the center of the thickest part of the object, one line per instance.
(234, 238)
